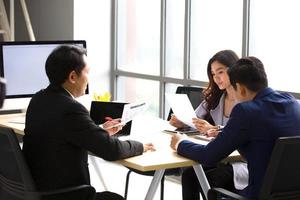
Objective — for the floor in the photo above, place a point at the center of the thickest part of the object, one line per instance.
(114, 176)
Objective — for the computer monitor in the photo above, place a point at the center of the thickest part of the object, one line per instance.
(22, 64)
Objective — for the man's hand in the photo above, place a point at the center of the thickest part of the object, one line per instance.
(113, 126)
(149, 147)
(175, 139)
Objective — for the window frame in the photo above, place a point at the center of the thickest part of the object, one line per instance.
(161, 78)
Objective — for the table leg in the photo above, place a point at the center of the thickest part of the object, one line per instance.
(95, 165)
(154, 184)
(202, 178)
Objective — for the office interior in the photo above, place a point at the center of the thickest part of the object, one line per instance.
(139, 50)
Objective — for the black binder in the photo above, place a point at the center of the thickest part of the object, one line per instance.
(100, 110)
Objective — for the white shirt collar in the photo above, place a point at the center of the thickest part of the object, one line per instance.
(70, 93)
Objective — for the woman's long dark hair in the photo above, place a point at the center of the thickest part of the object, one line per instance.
(212, 93)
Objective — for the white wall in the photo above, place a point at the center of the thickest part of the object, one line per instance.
(92, 23)
(51, 20)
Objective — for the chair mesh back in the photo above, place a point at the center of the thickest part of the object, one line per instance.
(282, 179)
(8, 166)
(14, 174)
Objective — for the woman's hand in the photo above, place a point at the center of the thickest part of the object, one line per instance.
(212, 132)
(149, 147)
(113, 126)
(174, 121)
(202, 125)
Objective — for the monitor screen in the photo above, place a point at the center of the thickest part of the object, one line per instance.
(22, 64)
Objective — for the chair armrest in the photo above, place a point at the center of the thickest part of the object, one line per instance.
(216, 193)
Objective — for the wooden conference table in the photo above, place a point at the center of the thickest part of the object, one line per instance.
(144, 129)
(151, 130)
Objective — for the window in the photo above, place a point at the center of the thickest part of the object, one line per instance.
(92, 22)
(152, 45)
(274, 39)
(139, 36)
(139, 90)
(175, 10)
(215, 25)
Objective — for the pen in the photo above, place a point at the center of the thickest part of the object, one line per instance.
(170, 131)
(220, 129)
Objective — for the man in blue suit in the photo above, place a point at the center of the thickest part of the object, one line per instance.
(261, 116)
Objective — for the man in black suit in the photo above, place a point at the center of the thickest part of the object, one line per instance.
(59, 131)
(2, 91)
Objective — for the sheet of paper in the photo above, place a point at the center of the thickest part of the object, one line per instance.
(131, 110)
(182, 108)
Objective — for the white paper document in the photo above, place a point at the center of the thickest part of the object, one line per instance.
(182, 108)
(131, 110)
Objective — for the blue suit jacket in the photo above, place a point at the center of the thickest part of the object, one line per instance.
(252, 128)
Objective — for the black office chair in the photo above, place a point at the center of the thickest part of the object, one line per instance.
(282, 176)
(16, 182)
(194, 93)
(195, 96)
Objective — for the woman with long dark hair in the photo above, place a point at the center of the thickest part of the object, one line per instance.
(218, 102)
(212, 114)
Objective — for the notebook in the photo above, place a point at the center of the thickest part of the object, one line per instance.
(101, 110)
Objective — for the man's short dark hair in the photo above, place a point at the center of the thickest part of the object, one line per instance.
(62, 61)
(250, 72)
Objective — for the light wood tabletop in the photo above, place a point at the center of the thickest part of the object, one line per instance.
(14, 121)
(164, 157)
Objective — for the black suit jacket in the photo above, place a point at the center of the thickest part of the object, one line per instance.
(58, 134)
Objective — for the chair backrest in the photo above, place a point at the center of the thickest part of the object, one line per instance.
(194, 93)
(15, 178)
(282, 178)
